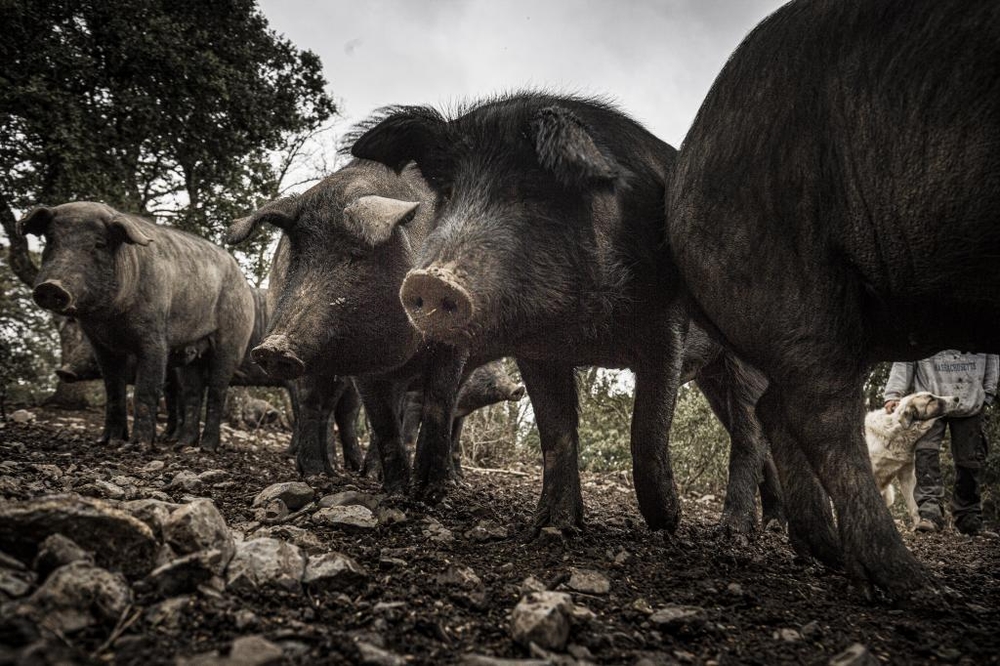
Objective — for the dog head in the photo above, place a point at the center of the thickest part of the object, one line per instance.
(924, 406)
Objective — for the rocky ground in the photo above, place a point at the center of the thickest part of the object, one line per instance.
(180, 557)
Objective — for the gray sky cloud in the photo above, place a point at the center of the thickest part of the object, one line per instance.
(656, 60)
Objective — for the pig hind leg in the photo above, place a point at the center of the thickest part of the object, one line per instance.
(810, 520)
(747, 449)
(190, 380)
(822, 413)
(552, 389)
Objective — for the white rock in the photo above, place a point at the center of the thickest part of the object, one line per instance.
(265, 562)
(117, 540)
(372, 655)
(588, 581)
(255, 651)
(677, 617)
(350, 498)
(351, 517)
(333, 572)
(185, 480)
(199, 526)
(855, 655)
(295, 495)
(80, 595)
(542, 618)
(22, 416)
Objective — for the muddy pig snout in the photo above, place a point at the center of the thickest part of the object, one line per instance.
(51, 295)
(436, 302)
(66, 374)
(517, 393)
(277, 359)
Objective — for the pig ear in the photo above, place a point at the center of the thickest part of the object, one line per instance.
(565, 147)
(373, 218)
(130, 229)
(280, 213)
(406, 134)
(35, 222)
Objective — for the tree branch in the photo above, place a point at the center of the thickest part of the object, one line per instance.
(17, 254)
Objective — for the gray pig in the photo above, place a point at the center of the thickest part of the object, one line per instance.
(143, 289)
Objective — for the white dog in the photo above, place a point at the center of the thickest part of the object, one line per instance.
(892, 437)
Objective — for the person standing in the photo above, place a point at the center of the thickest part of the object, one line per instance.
(972, 378)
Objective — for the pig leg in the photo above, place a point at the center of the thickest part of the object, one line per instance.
(381, 398)
(771, 496)
(828, 428)
(170, 395)
(746, 456)
(456, 445)
(150, 371)
(432, 460)
(346, 416)
(810, 521)
(311, 454)
(191, 382)
(113, 370)
(552, 390)
(656, 382)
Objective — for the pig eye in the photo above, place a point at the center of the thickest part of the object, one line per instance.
(101, 244)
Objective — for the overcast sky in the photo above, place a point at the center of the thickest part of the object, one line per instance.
(655, 58)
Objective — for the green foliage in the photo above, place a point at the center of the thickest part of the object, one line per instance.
(172, 109)
(606, 400)
(29, 345)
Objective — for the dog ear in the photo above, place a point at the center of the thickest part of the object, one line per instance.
(907, 415)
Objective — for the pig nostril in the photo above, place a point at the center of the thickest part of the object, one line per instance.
(448, 305)
(419, 302)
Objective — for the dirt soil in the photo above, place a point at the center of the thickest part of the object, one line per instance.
(760, 604)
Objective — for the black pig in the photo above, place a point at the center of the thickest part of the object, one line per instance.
(350, 240)
(142, 289)
(837, 203)
(546, 247)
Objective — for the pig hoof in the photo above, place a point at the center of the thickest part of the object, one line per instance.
(733, 526)
(209, 446)
(775, 525)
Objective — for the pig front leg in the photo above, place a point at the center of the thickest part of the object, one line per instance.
(113, 371)
(432, 461)
(552, 390)
(150, 371)
(311, 452)
(381, 398)
(656, 382)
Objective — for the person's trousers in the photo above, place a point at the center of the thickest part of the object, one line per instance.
(968, 448)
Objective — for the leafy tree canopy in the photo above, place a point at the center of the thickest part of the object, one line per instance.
(166, 108)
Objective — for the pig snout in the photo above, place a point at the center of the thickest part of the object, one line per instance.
(51, 295)
(516, 394)
(66, 374)
(276, 357)
(436, 302)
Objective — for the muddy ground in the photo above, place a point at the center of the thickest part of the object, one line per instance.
(755, 603)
